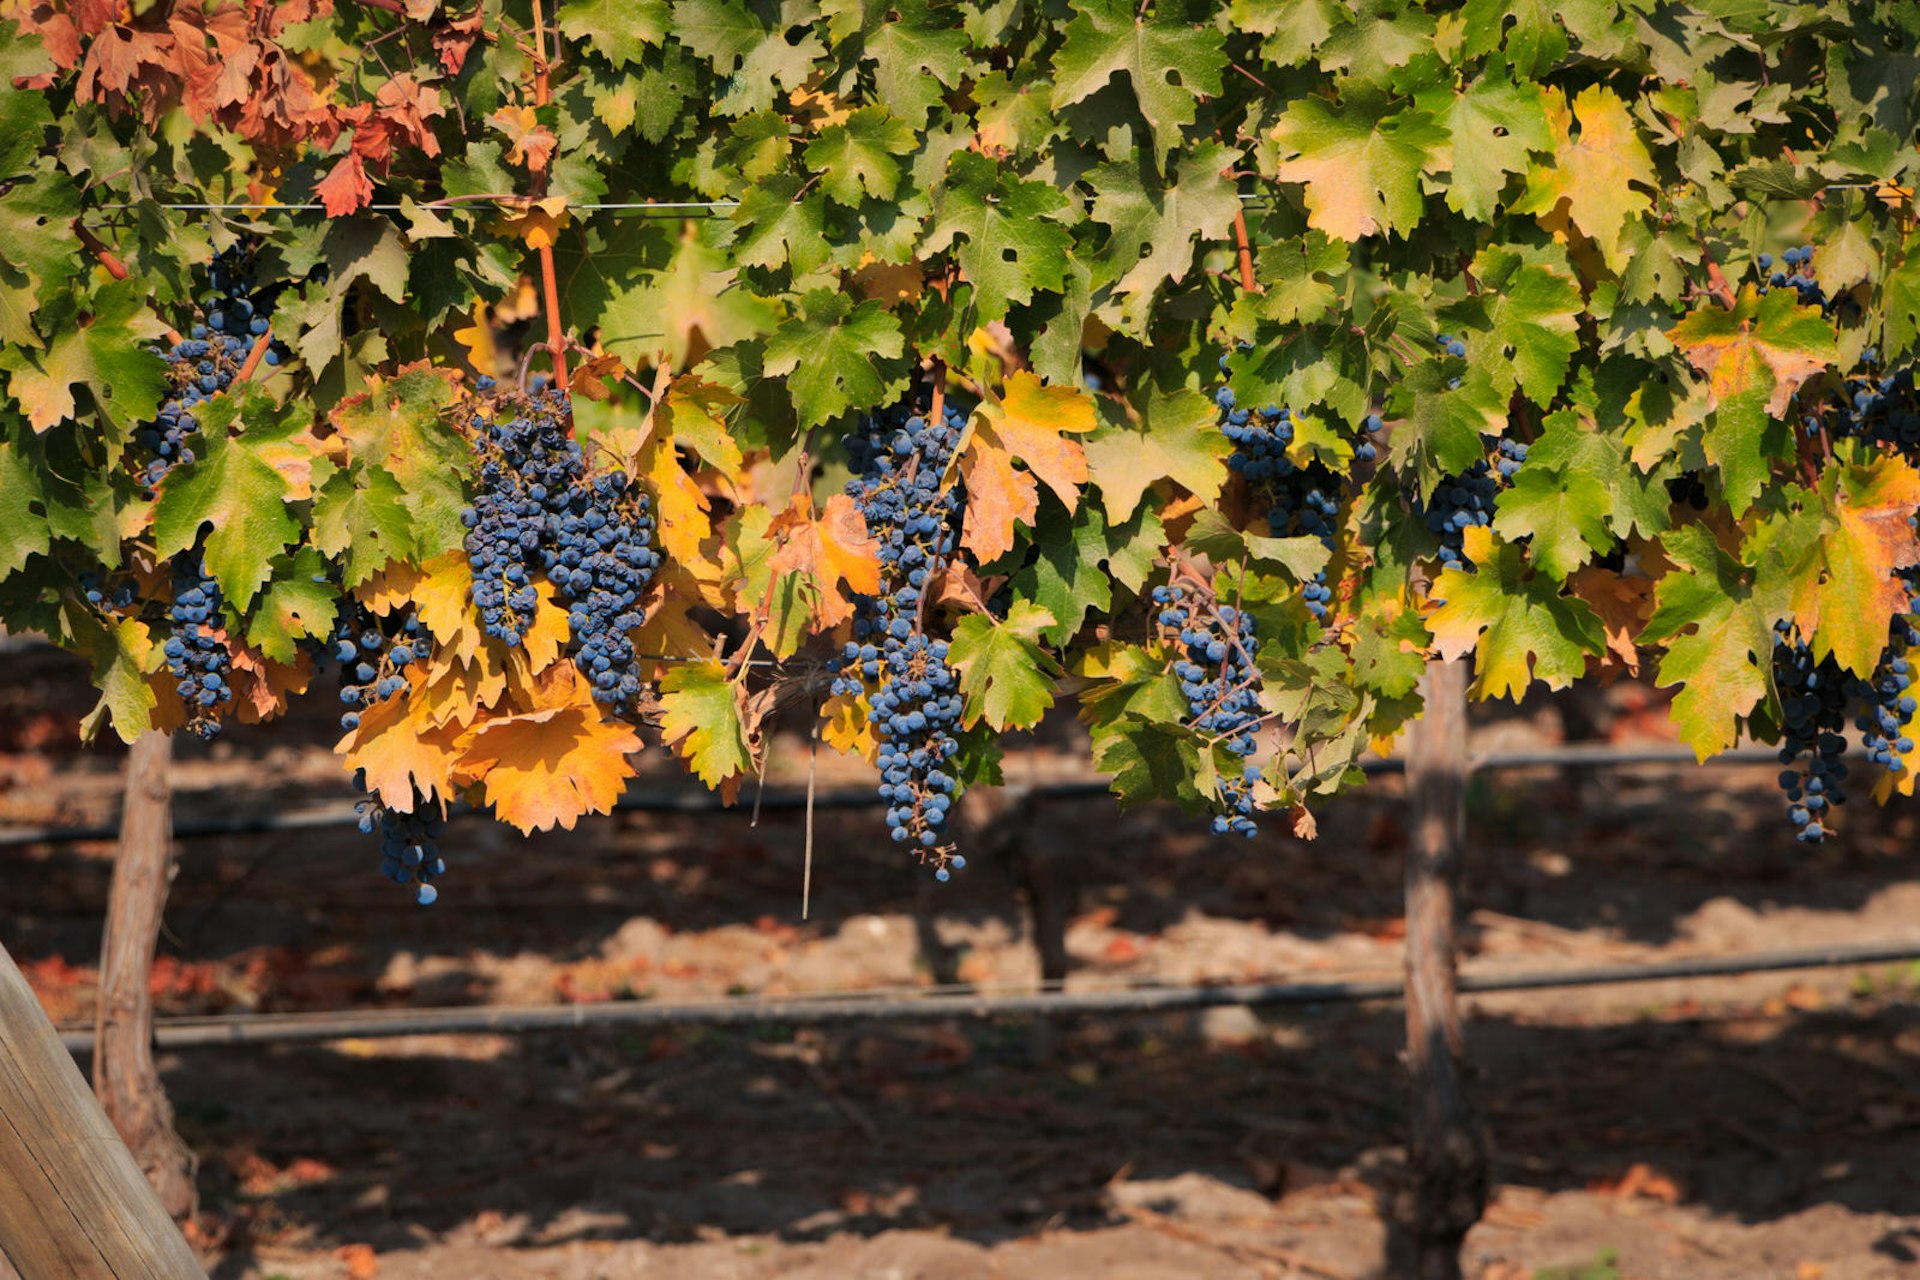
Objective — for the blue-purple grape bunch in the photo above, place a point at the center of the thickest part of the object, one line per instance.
(603, 561)
(899, 457)
(1458, 503)
(530, 466)
(196, 654)
(540, 510)
(1890, 702)
(1301, 501)
(409, 843)
(1222, 688)
(1814, 696)
(374, 655)
(204, 363)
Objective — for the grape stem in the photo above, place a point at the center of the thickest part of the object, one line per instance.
(549, 283)
(1245, 249)
(254, 356)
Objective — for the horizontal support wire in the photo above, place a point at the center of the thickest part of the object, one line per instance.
(686, 800)
(951, 1002)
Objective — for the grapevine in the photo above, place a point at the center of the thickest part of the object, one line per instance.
(499, 366)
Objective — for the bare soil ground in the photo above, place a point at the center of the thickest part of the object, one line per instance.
(1766, 1126)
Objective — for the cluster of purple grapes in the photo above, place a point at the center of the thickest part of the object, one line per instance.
(899, 457)
(409, 844)
(530, 466)
(539, 510)
(1890, 703)
(1222, 690)
(197, 657)
(204, 364)
(1302, 501)
(603, 561)
(373, 664)
(1458, 504)
(1813, 705)
(1797, 276)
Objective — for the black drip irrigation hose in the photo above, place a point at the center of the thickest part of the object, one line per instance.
(292, 1028)
(684, 800)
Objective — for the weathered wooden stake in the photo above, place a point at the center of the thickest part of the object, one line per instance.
(73, 1204)
(1446, 1186)
(124, 1075)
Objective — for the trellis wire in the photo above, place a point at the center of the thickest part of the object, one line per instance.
(685, 800)
(951, 1002)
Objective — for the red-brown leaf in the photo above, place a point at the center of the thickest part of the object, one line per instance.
(345, 189)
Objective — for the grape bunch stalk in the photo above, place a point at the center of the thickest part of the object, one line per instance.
(1221, 686)
(900, 456)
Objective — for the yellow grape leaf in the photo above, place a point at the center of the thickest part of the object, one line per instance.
(1868, 539)
(702, 720)
(124, 655)
(443, 595)
(1765, 342)
(836, 548)
(1031, 424)
(669, 630)
(1514, 622)
(547, 765)
(546, 637)
(530, 143)
(456, 693)
(401, 750)
(680, 508)
(1603, 176)
(694, 413)
(844, 726)
(538, 223)
(389, 588)
(477, 340)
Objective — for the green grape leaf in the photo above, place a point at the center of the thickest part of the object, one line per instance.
(693, 304)
(1517, 624)
(1006, 676)
(619, 30)
(780, 223)
(1360, 161)
(297, 601)
(753, 57)
(103, 353)
(360, 518)
(1719, 638)
(1389, 652)
(914, 53)
(1010, 243)
(1440, 431)
(1153, 225)
(837, 356)
(1531, 313)
(23, 530)
(1563, 511)
(1065, 577)
(1175, 440)
(859, 155)
(233, 487)
(400, 429)
(1152, 759)
(700, 719)
(123, 654)
(1168, 63)
(1211, 536)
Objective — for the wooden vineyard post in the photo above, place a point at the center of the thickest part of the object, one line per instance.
(124, 1075)
(73, 1204)
(1446, 1185)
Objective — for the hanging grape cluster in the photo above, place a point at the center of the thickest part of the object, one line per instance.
(1302, 501)
(900, 456)
(1222, 689)
(196, 652)
(540, 511)
(409, 843)
(373, 664)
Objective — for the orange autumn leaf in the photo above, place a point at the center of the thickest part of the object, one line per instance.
(401, 749)
(538, 224)
(1030, 424)
(529, 142)
(261, 686)
(830, 550)
(549, 764)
